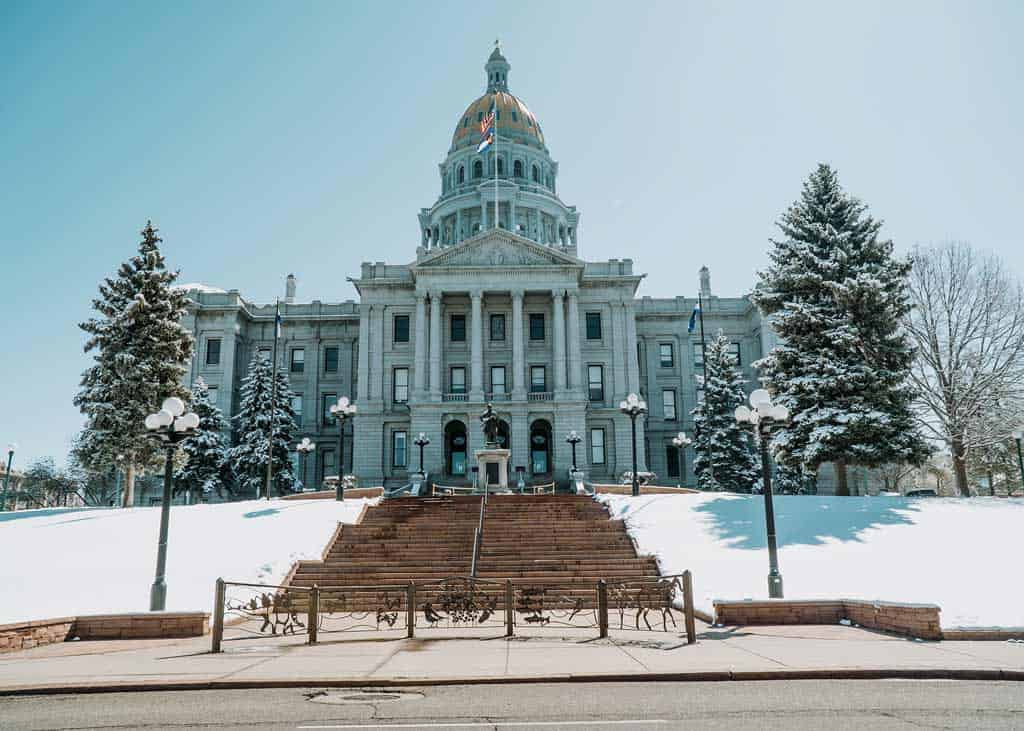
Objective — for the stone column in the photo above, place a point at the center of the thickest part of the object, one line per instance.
(518, 356)
(558, 336)
(420, 362)
(377, 364)
(363, 376)
(458, 227)
(573, 337)
(632, 364)
(618, 375)
(483, 212)
(476, 358)
(435, 345)
(512, 213)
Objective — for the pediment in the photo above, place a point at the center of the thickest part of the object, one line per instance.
(498, 249)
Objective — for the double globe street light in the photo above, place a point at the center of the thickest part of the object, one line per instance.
(634, 406)
(304, 448)
(421, 441)
(170, 426)
(680, 441)
(11, 448)
(341, 411)
(761, 418)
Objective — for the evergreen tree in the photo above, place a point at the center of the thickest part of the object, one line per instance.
(249, 456)
(206, 450)
(836, 296)
(141, 355)
(733, 464)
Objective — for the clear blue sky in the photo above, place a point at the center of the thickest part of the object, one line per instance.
(267, 138)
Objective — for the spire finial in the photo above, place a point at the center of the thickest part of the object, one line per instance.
(497, 70)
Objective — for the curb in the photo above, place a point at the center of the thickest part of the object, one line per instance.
(685, 677)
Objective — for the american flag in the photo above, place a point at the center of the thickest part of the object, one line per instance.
(486, 131)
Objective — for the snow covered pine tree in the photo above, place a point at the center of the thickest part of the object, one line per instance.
(735, 466)
(249, 456)
(836, 296)
(141, 356)
(205, 451)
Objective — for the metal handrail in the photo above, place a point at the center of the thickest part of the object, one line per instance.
(478, 537)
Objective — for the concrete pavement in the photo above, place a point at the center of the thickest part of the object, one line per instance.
(557, 654)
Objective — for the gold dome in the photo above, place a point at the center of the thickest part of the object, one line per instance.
(515, 121)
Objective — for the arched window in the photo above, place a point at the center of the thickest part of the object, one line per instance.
(536, 174)
(462, 175)
(478, 169)
(517, 169)
(501, 166)
(455, 448)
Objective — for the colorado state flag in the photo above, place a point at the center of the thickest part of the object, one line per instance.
(486, 131)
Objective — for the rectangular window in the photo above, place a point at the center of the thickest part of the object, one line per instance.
(668, 403)
(331, 359)
(458, 328)
(297, 408)
(399, 449)
(734, 350)
(595, 382)
(672, 460)
(536, 326)
(593, 326)
(457, 379)
(327, 468)
(666, 355)
(597, 446)
(213, 351)
(400, 386)
(538, 379)
(497, 379)
(329, 399)
(298, 360)
(212, 393)
(698, 355)
(401, 328)
(497, 327)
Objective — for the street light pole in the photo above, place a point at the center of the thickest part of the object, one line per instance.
(634, 406)
(303, 448)
(681, 442)
(341, 411)
(573, 439)
(763, 415)
(171, 425)
(421, 442)
(7, 476)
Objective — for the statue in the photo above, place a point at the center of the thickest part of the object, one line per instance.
(490, 422)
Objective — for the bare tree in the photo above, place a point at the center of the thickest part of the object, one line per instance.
(968, 325)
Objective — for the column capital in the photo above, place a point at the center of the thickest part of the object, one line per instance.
(558, 293)
(476, 293)
(572, 292)
(517, 293)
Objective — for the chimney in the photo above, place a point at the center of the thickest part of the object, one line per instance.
(289, 289)
(705, 282)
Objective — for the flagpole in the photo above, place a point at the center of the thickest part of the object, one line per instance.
(495, 159)
(704, 366)
(273, 402)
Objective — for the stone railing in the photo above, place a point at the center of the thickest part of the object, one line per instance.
(539, 396)
(455, 397)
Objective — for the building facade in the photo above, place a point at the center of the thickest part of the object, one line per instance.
(495, 307)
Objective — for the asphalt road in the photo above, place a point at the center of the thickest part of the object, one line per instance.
(801, 704)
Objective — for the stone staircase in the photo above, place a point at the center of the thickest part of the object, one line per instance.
(563, 540)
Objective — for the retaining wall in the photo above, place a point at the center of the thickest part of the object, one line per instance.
(147, 626)
(914, 620)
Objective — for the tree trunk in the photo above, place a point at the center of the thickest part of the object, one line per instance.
(129, 486)
(842, 485)
(960, 468)
(991, 482)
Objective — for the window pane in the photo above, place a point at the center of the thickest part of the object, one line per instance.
(458, 380)
(329, 400)
(213, 351)
(400, 387)
(672, 460)
(497, 327)
(593, 326)
(331, 359)
(398, 449)
(668, 400)
(734, 350)
(536, 326)
(298, 360)
(458, 328)
(666, 354)
(401, 328)
(698, 354)
(537, 380)
(498, 379)
(595, 382)
(597, 446)
(297, 408)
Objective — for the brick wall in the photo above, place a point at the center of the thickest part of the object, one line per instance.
(153, 625)
(914, 620)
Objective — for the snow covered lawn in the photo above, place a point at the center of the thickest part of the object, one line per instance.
(963, 555)
(58, 562)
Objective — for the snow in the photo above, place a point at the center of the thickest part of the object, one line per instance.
(958, 553)
(60, 562)
(199, 287)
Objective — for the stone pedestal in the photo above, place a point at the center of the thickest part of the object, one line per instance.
(492, 456)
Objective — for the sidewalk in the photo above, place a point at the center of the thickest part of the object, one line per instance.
(728, 653)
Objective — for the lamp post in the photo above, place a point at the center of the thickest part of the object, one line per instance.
(341, 411)
(117, 481)
(11, 448)
(1018, 435)
(421, 441)
(633, 407)
(303, 448)
(680, 441)
(761, 418)
(573, 439)
(170, 426)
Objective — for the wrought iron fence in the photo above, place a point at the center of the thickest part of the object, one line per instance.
(460, 602)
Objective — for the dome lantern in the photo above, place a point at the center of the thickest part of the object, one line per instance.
(497, 70)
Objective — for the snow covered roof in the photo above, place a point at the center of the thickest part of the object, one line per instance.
(200, 287)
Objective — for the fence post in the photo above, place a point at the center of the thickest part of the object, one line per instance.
(691, 627)
(510, 613)
(313, 617)
(218, 615)
(410, 610)
(602, 608)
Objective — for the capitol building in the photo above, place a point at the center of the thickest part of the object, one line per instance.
(496, 306)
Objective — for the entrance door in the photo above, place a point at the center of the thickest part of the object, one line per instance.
(455, 448)
(540, 447)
